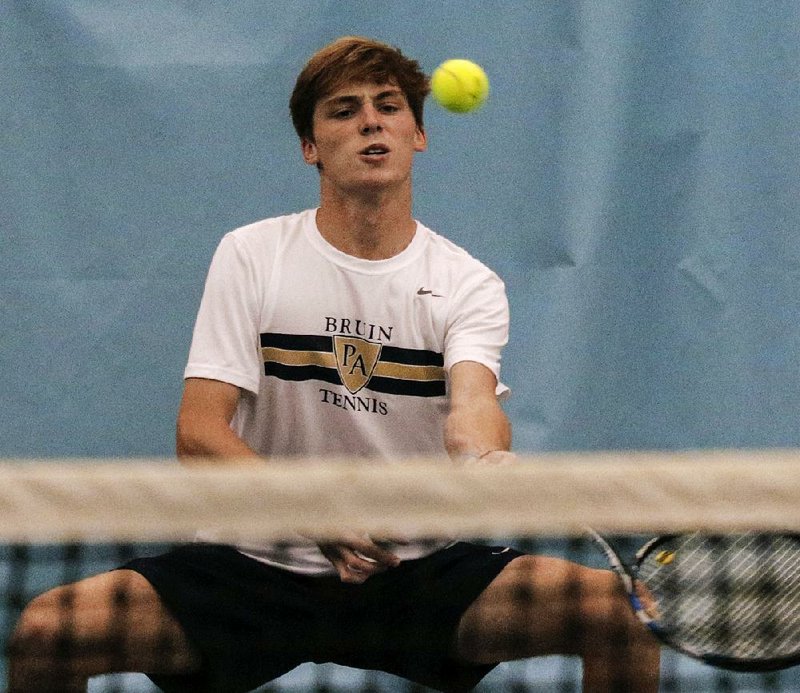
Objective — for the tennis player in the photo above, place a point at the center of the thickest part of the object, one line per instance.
(346, 330)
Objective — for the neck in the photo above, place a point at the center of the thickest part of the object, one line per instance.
(372, 227)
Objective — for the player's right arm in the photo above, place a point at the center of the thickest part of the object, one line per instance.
(204, 417)
(204, 433)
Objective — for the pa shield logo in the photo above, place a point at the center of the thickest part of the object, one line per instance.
(356, 359)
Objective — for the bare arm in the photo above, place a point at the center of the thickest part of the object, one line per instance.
(476, 426)
(204, 432)
(203, 429)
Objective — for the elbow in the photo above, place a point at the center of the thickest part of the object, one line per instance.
(202, 427)
(183, 449)
(188, 439)
(183, 445)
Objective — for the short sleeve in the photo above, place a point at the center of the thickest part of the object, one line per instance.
(478, 326)
(225, 340)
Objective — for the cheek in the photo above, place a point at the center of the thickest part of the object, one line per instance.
(325, 147)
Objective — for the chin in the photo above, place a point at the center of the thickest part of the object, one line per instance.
(375, 183)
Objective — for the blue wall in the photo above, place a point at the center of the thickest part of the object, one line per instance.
(634, 178)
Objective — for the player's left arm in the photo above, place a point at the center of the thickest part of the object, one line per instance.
(477, 428)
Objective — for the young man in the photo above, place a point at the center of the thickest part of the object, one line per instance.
(351, 330)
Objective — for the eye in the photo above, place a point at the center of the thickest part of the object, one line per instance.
(342, 113)
(388, 108)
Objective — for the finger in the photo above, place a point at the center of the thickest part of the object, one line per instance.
(371, 553)
(347, 570)
(357, 570)
(364, 558)
(350, 567)
(500, 458)
(493, 458)
(352, 575)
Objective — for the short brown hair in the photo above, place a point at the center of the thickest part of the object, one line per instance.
(354, 59)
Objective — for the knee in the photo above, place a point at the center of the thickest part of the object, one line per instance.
(41, 625)
(580, 607)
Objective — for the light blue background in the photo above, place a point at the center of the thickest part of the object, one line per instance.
(634, 178)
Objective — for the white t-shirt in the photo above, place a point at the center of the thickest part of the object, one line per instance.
(340, 356)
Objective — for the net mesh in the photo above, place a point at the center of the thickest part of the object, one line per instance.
(69, 519)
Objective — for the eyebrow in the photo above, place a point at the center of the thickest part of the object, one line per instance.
(353, 99)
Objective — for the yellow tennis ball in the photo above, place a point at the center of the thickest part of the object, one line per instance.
(460, 85)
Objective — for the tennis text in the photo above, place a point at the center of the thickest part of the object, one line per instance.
(354, 402)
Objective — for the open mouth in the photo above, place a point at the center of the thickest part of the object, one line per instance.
(375, 150)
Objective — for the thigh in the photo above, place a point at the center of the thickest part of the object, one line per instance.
(250, 622)
(538, 605)
(112, 622)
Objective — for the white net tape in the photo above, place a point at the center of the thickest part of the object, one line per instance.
(558, 494)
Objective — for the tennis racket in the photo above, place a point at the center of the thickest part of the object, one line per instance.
(731, 601)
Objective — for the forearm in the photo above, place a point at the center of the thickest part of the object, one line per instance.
(476, 426)
(477, 429)
(203, 426)
(210, 439)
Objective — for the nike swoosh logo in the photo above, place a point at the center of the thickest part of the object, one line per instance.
(426, 292)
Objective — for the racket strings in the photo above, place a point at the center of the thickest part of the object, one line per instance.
(737, 597)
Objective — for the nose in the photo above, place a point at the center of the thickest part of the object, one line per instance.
(371, 120)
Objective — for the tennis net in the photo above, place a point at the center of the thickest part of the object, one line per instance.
(63, 520)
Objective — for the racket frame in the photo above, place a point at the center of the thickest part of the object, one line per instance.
(627, 575)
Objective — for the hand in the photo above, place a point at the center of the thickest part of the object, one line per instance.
(647, 600)
(358, 557)
(494, 458)
(498, 458)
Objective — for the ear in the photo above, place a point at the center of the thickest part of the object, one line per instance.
(420, 140)
(309, 148)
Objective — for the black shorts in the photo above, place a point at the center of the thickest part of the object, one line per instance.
(253, 623)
